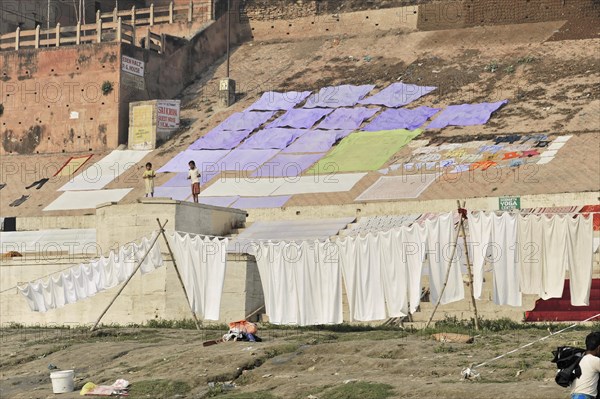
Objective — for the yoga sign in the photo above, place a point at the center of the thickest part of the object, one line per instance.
(509, 203)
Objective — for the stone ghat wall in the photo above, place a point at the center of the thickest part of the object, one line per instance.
(454, 14)
(433, 15)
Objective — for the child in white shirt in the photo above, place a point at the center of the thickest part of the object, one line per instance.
(194, 176)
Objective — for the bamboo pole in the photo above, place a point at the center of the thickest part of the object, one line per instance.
(447, 276)
(58, 34)
(119, 30)
(129, 279)
(99, 30)
(162, 231)
(469, 268)
(78, 34)
(254, 313)
(18, 38)
(37, 36)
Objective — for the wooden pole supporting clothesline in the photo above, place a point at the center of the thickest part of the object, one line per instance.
(461, 229)
(162, 231)
(139, 265)
(463, 216)
(128, 279)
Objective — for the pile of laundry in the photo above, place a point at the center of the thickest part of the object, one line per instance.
(119, 388)
(242, 331)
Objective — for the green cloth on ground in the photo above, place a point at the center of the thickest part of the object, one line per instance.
(363, 151)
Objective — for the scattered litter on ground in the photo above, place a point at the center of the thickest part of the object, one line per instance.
(453, 338)
(120, 387)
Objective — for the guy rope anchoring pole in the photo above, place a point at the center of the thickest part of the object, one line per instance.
(450, 261)
(162, 231)
(463, 216)
(129, 279)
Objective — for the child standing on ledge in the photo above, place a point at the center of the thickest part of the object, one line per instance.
(148, 177)
(194, 176)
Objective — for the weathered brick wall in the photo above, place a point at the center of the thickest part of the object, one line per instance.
(441, 15)
(452, 14)
(488, 12)
(53, 100)
(39, 89)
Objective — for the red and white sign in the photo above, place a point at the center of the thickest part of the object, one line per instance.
(168, 114)
(133, 66)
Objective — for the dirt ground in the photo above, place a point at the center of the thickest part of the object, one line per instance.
(294, 364)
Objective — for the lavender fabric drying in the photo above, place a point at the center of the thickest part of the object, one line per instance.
(220, 140)
(176, 193)
(203, 158)
(244, 160)
(275, 101)
(347, 118)
(261, 202)
(338, 96)
(181, 180)
(277, 138)
(465, 115)
(218, 201)
(287, 165)
(401, 118)
(299, 118)
(398, 94)
(317, 141)
(248, 120)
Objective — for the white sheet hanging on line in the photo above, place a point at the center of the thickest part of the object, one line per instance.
(402, 254)
(85, 280)
(506, 265)
(494, 239)
(394, 272)
(557, 243)
(554, 255)
(361, 267)
(580, 250)
(531, 250)
(549, 246)
(413, 251)
(201, 263)
(441, 237)
(480, 233)
(302, 282)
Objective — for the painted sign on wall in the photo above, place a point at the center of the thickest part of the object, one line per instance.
(167, 112)
(141, 128)
(132, 66)
(509, 203)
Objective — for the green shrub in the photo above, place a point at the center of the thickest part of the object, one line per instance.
(107, 87)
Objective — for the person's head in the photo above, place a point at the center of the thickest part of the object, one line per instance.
(148, 166)
(192, 164)
(592, 343)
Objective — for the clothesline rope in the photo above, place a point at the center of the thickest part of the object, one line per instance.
(468, 371)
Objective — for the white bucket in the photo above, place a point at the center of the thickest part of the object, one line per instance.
(62, 381)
